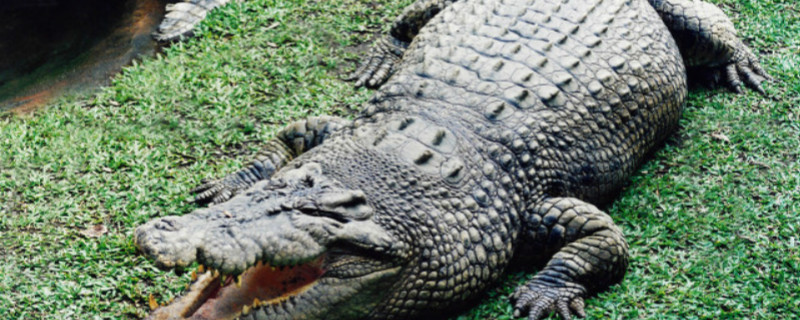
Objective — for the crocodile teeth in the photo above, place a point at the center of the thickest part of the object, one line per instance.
(245, 310)
(256, 302)
(239, 281)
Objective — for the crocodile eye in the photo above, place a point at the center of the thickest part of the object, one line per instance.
(350, 204)
(167, 224)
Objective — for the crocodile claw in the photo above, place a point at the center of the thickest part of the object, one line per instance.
(214, 191)
(538, 299)
(220, 190)
(182, 17)
(745, 67)
(383, 58)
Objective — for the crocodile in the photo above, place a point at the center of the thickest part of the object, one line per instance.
(497, 129)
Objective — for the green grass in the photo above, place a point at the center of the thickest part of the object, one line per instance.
(712, 219)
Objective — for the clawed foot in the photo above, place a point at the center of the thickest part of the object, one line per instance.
(213, 191)
(179, 21)
(220, 190)
(539, 299)
(744, 67)
(384, 56)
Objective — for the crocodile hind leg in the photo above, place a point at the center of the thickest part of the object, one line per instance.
(708, 43)
(289, 143)
(387, 52)
(590, 255)
(182, 17)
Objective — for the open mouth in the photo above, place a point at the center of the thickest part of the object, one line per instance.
(219, 296)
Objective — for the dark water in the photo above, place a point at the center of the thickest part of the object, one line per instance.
(52, 47)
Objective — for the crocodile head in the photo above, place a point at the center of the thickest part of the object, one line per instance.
(298, 246)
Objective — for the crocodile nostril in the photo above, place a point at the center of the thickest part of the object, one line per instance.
(167, 224)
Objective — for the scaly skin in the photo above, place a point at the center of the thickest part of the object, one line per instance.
(182, 17)
(499, 127)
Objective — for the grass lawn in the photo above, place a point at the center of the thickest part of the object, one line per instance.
(712, 220)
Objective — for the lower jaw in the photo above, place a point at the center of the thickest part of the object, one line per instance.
(186, 305)
(211, 297)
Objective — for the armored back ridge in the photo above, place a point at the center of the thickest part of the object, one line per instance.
(573, 93)
(501, 122)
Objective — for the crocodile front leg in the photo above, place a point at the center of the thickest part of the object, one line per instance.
(290, 142)
(708, 43)
(387, 52)
(591, 254)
